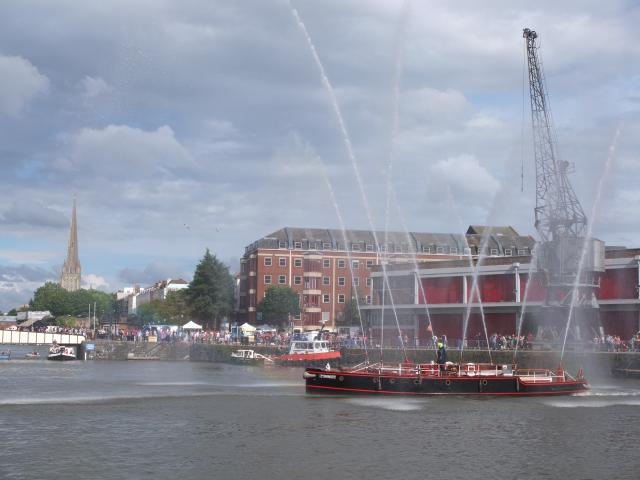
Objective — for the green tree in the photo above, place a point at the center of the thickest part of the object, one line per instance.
(51, 296)
(277, 304)
(13, 312)
(350, 316)
(210, 293)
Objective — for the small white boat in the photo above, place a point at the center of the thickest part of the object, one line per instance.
(61, 353)
(249, 357)
(5, 355)
(32, 355)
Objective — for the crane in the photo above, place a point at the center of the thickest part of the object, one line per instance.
(559, 217)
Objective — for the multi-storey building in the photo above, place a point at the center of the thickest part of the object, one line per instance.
(329, 267)
(130, 298)
(504, 295)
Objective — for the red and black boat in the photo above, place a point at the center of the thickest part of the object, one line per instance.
(451, 379)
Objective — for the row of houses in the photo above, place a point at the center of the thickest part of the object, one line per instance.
(130, 298)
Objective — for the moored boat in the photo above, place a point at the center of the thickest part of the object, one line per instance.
(5, 355)
(250, 357)
(61, 353)
(309, 353)
(452, 379)
(32, 355)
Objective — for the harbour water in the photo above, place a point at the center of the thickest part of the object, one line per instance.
(182, 420)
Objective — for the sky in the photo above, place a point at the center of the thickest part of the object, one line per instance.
(194, 124)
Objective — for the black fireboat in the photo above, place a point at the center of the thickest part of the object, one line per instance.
(443, 379)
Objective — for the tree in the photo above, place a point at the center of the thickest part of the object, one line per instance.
(277, 304)
(13, 312)
(350, 315)
(51, 296)
(210, 293)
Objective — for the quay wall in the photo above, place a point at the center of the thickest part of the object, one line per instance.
(595, 364)
(110, 350)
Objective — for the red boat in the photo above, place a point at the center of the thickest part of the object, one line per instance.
(434, 379)
(309, 352)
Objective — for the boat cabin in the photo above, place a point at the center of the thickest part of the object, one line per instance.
(315, 346)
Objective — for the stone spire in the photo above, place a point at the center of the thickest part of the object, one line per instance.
(70, 277)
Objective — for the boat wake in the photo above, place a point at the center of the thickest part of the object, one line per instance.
(580, 403)
(393, 404)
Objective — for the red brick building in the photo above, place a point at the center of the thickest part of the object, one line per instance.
(328, 267)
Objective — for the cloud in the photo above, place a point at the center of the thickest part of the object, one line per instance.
(32, 212)
(17, 284)
(127, 153)
(21, 83)
(94, 281)
(93, 87)
(153, 272)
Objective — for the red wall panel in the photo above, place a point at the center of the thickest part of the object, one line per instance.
(497, 288)
(441, 290)
(618, 283)
(623, 324)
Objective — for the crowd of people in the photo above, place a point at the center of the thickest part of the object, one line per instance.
(613, 343)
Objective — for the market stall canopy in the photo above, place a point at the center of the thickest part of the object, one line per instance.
(191, 325)
(246, 327)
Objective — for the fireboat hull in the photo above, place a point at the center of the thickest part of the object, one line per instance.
(342, 382)
(319, 359)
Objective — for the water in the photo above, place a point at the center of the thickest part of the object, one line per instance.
(585, 245)
(161, 420)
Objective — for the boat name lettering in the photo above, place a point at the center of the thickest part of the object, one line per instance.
(331, 377)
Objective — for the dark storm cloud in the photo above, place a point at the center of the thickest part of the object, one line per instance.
(29, 212)
(152, 273)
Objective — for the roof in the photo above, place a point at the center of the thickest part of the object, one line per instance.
(493, 238)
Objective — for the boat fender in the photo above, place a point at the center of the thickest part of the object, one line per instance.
(309, 375)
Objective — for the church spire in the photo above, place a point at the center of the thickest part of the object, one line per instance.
(71, 270)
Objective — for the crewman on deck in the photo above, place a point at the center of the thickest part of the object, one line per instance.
(441, 354)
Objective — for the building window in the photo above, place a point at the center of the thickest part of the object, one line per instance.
(267, 279)
(383, 248)
(282, 261)
(326, 246)
(494, 251)
(368, 299)
(398, 249)
(440, 250)
(355, 247)
(342, 263)
(326, 281)
(267, 261)
(426, 249)
(356, 282)
(508, 252)
(326, 263)
(297, 245)
(369, 282)
(355, 264)
(369, 263)
(369, 248)
(297, 262)
(282, 279)
(282, 244)
(341, 281)
(341, 298)
(325, 298)
(297, 280)
(454, 250)
(522, 251)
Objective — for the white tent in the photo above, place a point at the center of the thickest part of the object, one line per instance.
(247, 328)
(191, 325)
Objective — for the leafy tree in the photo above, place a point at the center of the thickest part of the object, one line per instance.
(350, 315)
(210, 293)
(13, 312)
(277, 304)
(51, 296)
(176, 305)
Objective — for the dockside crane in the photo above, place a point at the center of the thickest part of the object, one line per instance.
(559, 217)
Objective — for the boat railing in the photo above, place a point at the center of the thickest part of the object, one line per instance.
(542, 375)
